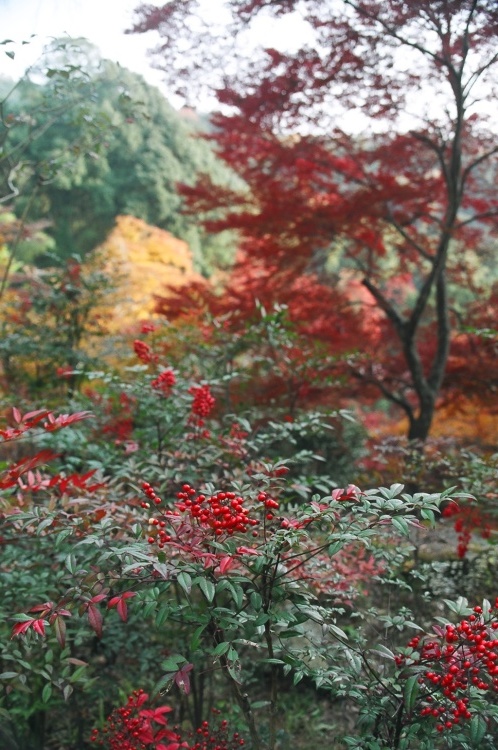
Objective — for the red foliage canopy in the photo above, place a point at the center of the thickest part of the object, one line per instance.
(411, 198)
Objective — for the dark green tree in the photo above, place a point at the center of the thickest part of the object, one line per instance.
(147, 148)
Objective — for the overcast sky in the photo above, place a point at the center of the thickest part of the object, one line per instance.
(103, 22)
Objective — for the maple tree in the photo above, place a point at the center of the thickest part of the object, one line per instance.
(409, 204)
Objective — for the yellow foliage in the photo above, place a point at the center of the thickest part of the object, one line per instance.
(141, 261)
(473, 420)
(469, 420)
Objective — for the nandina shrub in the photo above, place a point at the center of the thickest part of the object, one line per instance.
(269, 370)
(220, 564)
(473, 517)
(444, 683)
(237, 574)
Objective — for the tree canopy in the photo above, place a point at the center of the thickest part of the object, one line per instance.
(408, 204)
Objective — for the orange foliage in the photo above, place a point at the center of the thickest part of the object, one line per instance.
(142, 260)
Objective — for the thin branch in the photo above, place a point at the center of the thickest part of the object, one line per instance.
(385, 305)
(478, 217)
(17, 239)
(408, 237)
(391, 31)
(395, 398)
(438, 150)
(479, 160)
(469, 85)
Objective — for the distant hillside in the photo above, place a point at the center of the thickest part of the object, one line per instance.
(122, 154)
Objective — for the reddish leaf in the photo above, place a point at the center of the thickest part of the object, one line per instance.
(182, 679)
(95, 619)
(157, 715)
(60, 631)
(33, 417)
(98, 597)
(63, 420)
(46, 607)
(21, 627)
(39, 627)
(247, 551)
(120, 603)
(21, 467)
(225, 564)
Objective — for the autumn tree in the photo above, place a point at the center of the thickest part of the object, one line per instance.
(368, 139)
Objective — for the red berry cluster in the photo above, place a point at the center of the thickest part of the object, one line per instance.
(203, 403)
(467, 518)
(149, 491)
(162, 535)
(223, 512)
(133, 727)
(147, 327)
(235, 443)
(216, 739)
(269, 503)
(462, 657)
(129, 728)
(144, 352)
(164, 382)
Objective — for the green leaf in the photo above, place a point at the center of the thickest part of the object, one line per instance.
(70, 563)
(256, 601)
(62, 536)
(411, 692)
(162, 615)
(47, 693)
(401, 525)
(428, 515)
(148, 609)
(44, 525)
(208, 589)
(272, 661)
(221, 648)
(383, 651)
(185, 581)
(77, 673)
(337, 631)
(353, 660)
(460, 607)
(290, 634)
(162, 682)
(195, 641)
(237, 594)
(172, 663)
(477, 729)
(313, 614)
(8, 675)
(335, 547)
